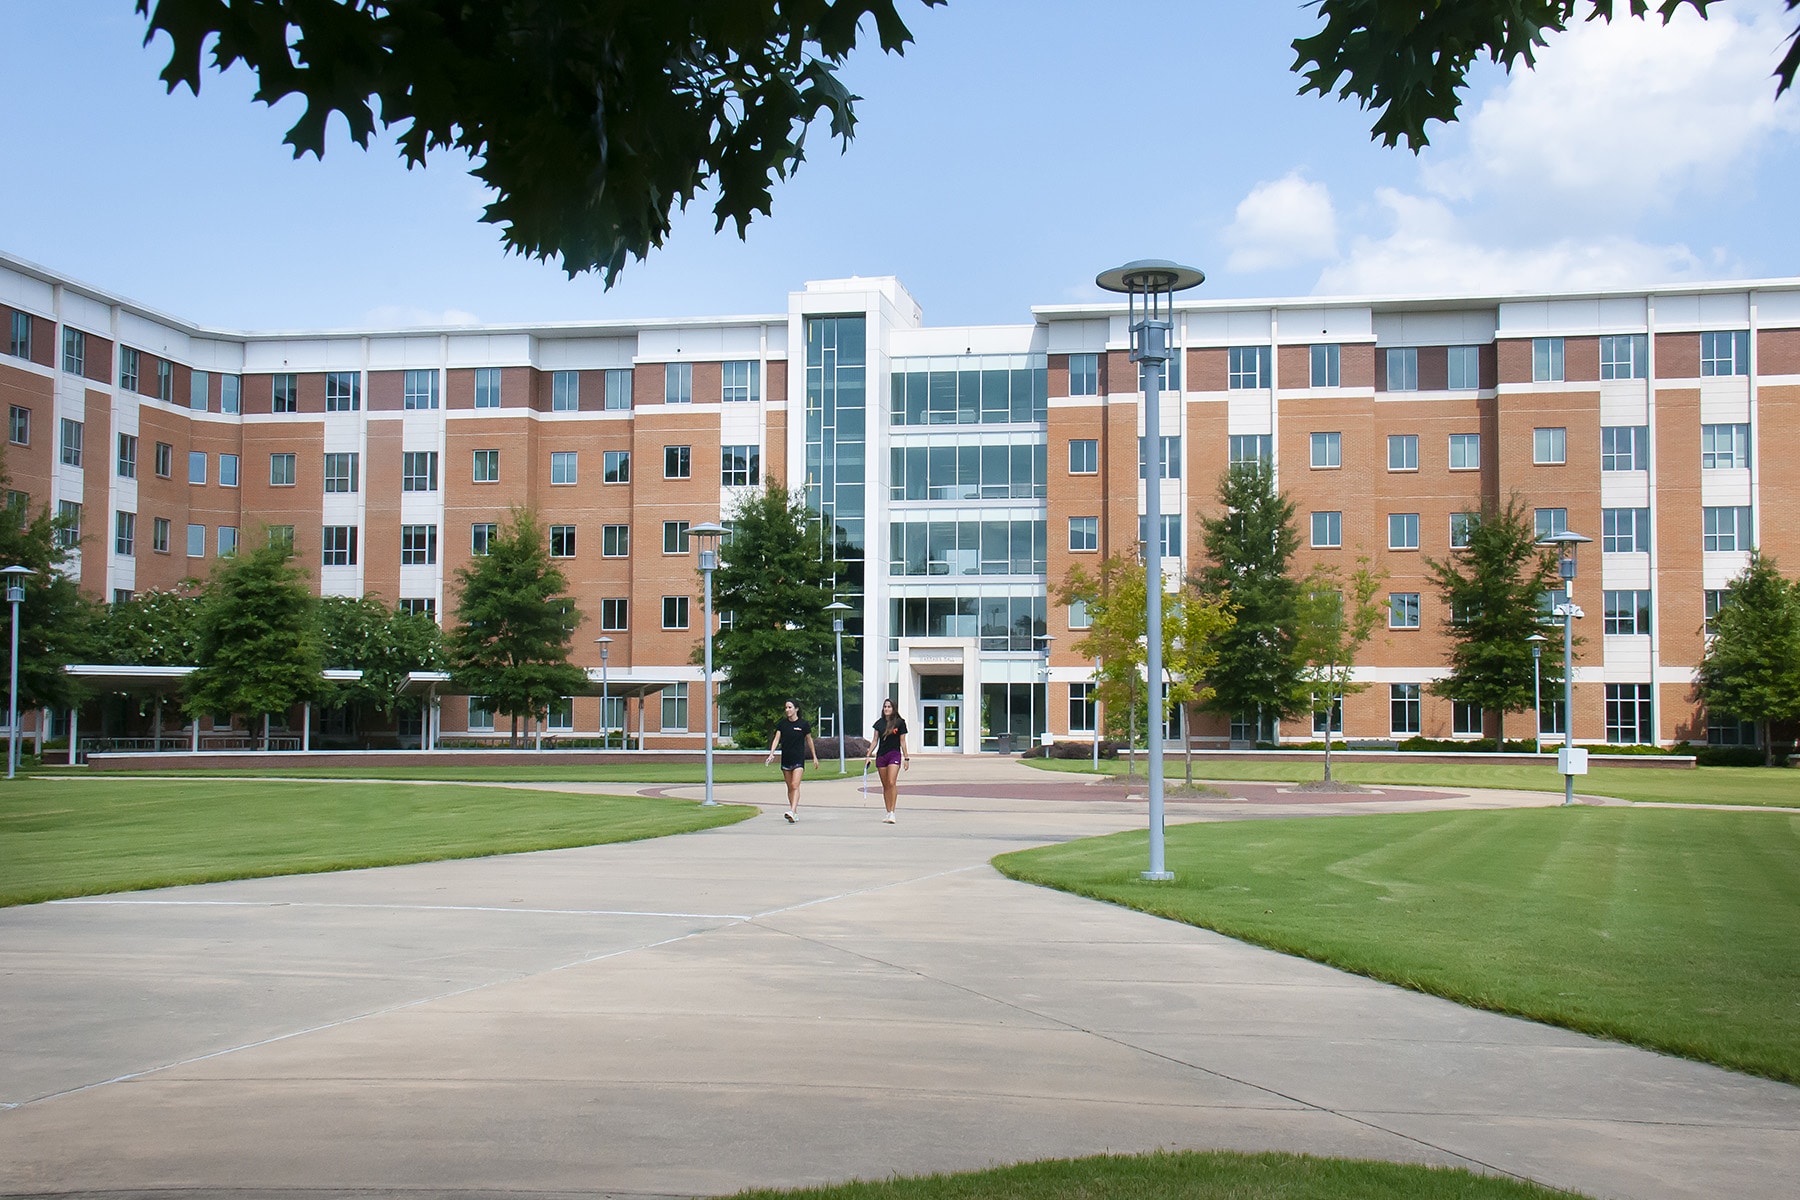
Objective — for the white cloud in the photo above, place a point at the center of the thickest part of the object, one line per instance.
(403, 316)
(1280, 223)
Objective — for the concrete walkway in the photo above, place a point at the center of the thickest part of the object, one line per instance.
(766, 1005)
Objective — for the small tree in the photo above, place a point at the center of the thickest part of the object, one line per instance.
(153, 629)
(1192, 626)
(56, 621)
(511, 642)
(258, 641)
(1333, 626)
(1114, 598)
(775, 579)
(1493, 593)
(1752, 666)
(361, 633)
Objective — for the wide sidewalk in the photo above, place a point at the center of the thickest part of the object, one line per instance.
(775, 1005)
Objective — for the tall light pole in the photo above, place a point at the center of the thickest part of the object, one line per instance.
(15, 595)
(1571, 762)
(1149, 286)
(1536, 642)
(1094, 717)
(837, 608)
(709, 533)
(605, 644)
(1045, 638)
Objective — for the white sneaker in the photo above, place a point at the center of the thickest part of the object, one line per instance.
(888, 819)
(789, 816)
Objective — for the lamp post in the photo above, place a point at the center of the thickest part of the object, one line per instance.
(1536, 642)
(709, 533)
(605, 644)
(1094, 719)
(1045, 638)
(837, 608)
(1149, 286)
(15, 595)
(1566, 544)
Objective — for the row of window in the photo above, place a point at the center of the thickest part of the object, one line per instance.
(1622, 530)
(560, 716)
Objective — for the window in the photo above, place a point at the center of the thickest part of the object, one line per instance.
(1084, 455)
(1403, 610)
(1726, 353)
(1402, 369)
(1465, 718)
(1724, 447)
(339, 546)
(615, 466)
(481, 717)
(341, 472)
(1549, 447)
(1327, 450)
(196, 541)
(74, 351)
(487, 388)
(71, 443)
(419, 606)
(613, 614)
(228, 540)
(128, 368)
(1249, 367)
(18, 342)
(615, 541)
(618, 391)
(228, 470)
(1549, 602)
(1547, 522)
(675, 612)
(1325, 362)
(418, 545)
(565, 392)
(281, 470)
(1729, 731)
(559, 714)
(678, 383)
(1465, 369)
(675, 537)
(1337, 718)
(1547, 360)
(1715, 599)
(1625, 531)
(1403, 531)
(68, 536)
(675, 706)
(1171, 533)
(1084, 533)
(231, 390)
(165, 381)
(281, 535)
(18, 426)
(1168, 374)
(125, 533)
(740, 466)
(418, 471)
(1630, 719)
(740, 382)
(1625, 356)
(1081, 707)
(419, 389)
(1403, 451)
(18, 504)
(1168, 458)
(1084, 374)
(159, 535)
(1725, 528)
(677, 462)
(562, 541)
(197, 466)
(1079, 617)
(127, 456)
(564, 466)
(197, 388)
(1465, 451)
(1462, 529)
(1624, 447)
(284, 394)
(1250, 448)
(165, 460)
(343, 391)
(1403, 708)
(480, 534)
(1627, 613)
(1327, 530)
(487, 466)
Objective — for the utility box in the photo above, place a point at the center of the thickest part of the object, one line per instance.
(1571, 760)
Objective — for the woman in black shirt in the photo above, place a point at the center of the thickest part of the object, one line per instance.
(888, 750)
(793, 738)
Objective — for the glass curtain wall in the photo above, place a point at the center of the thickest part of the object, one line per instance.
(836, 467)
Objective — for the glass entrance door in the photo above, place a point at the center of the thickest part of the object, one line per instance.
(941, 722)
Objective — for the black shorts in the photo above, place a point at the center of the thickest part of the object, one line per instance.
(798, 764)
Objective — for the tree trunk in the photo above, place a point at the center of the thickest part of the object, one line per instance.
(1131, 740)
(1762, 728)
(1330, 707)
(1500, 731)
(513, 741)
(1187, 741)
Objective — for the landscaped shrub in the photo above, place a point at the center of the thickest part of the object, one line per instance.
(1074, 750)
(1425, 745)
(855, 747)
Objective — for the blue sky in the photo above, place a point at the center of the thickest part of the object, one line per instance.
(1017, 149)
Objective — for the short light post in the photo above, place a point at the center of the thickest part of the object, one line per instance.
(15, 596)
(1044, 670)
(1536, 641)
(1571, 762)
(837, 609)
(605, 644)
(709, 533)
(1149, 286)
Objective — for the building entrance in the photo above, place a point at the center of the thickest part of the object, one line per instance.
(941, 725)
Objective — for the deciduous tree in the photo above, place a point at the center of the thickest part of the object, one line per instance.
(360, 633)
(1335, 619)
(258, 637)
(55, 620)
(1752, 666)
(1114, 598)
(1193, 622)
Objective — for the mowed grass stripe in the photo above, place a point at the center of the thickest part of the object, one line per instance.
(62, 838)
(1673, 929)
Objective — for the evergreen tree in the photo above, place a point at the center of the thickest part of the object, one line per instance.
(775, 578)
(1493, 594)
(1332, 629)
(258, 641)
(56, 621)
(1752, 666)
(1249, 547)
(511, 642)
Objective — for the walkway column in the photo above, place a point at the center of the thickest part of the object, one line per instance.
(306, 727)
(74, 733)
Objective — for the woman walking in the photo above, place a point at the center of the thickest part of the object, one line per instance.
(794, 742)
(889, 752)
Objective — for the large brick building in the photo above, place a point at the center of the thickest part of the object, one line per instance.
(970, 467)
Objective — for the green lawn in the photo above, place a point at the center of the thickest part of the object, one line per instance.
(1675, 929)
(69, 837)
(1188, 1176)
(524, 771)
(1772, 786)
